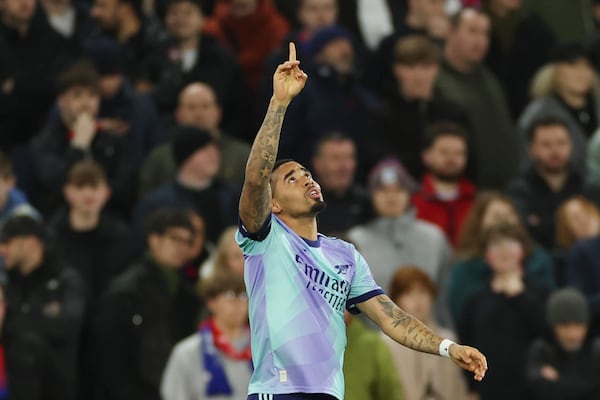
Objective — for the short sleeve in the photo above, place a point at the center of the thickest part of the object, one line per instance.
(363, 286)
(253, 243)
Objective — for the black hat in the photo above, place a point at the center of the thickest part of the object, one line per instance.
(187, 140)
(566, 306)
(106, 55)
(325, 36)
(569, 52)
(21, 225)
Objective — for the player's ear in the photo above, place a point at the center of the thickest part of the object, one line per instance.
(276, 207)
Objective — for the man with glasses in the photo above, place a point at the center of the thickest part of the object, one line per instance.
(146, 311)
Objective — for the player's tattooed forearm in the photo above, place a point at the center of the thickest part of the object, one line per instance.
(412, 332)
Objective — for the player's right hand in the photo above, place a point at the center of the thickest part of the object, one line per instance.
(470, 359)
(288, 79)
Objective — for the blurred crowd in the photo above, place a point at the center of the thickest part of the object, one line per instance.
(457, 144)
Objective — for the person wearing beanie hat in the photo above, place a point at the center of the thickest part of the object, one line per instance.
(568, 366)
(394, 236)
(187, 140)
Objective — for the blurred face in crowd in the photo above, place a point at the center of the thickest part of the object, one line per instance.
(550, 149)
(242, 8)
(497, 212)
(198, 107)
(15, 251)
(574, 78)
(417, 80)
(582, 221)
(110, 85)
(390, 200)
(172, 249)
(571, 336)
(316, 14)
(199, 240)
(205, 162)
(446, 158)
(107, 14)
(87, 199)
(76, 101)
(425, 9)
(184, 20)
(504, 254)
(18, 11)
(417, 301)
(335, 164)
(468, 42)
(233, 257)
(229, 309)
(338, 54)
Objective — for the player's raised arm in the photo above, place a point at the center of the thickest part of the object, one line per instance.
(409, 331)
(255, 201)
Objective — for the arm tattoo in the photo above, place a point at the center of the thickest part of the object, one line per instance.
(255, 201)
(407, 330)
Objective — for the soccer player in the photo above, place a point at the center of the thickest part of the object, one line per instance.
(299, 282)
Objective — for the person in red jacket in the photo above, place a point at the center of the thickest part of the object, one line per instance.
(446, 195)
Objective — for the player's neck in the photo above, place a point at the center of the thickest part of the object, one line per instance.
(305, 227)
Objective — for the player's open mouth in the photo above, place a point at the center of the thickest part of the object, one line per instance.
(314, 194)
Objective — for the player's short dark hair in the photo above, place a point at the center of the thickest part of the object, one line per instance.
(165, 218)
(6, 166)
(80, 74)
(86, 173)
(279, 163)
(200, 5)
(544, 121)
(444, 128)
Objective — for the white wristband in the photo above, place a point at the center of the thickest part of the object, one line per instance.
(445, 347)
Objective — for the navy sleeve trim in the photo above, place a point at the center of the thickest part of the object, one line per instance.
(351, 304)
(260, 234)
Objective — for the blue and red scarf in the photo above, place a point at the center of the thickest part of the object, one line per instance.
(3, 380)
(214, 343)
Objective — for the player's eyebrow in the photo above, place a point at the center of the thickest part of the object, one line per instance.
(288, 175)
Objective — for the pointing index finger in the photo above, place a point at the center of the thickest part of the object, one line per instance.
(292, 52)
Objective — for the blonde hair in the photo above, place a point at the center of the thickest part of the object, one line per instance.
(225, 239)
(544, 82)
(564, 235)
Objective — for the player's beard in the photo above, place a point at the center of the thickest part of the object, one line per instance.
(319, 206)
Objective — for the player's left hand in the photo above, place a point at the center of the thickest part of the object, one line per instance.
(470, 359)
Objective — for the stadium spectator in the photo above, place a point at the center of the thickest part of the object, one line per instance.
(470, 84)
(566, 88)
(70, 19)
(333, 99)
(369, 375)
(423, 376)
(551, 179)
(334, 163)
(200, 250)
(566, 366)
(592, 161)
(74, 134)
(13, 201)
(191, 56)
(146, 311)
(470, 274)
(572, 20)
(32, 57)
(410, 105)
(195, 186)
(227, 257)
(446, 195)
(520, 43)
(506, 315)
(214, 362)
(252, 29)
(577, 218)
(197, 107)
(124, 21)
(44, 296)
(395, 236)
(122, 111)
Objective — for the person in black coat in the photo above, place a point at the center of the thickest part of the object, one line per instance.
(146, 310)
(44, 296)
(30, 372)
(94, 243)
(504, 318)
(74, 134)
(567, 366)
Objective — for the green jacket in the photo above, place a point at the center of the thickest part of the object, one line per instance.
(369, 371)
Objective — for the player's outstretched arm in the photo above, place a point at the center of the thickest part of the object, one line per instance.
(255, 201)
(409, 331)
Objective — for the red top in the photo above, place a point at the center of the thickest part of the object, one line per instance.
(449, 215)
